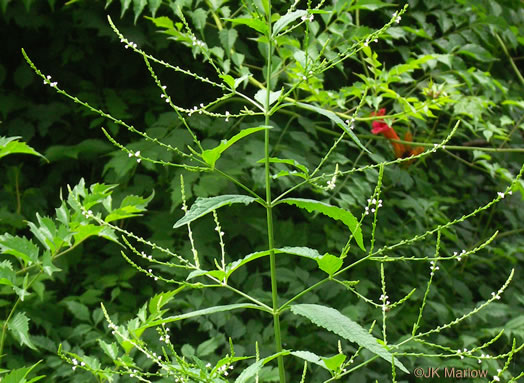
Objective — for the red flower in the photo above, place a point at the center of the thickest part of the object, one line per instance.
(380, 127)
(401, 151)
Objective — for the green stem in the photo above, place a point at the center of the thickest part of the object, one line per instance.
(269, 211)
(513, 65)
(4, 327)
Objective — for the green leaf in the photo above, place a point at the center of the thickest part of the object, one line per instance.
(207, 311)
(252, 370)
(285, 161)
(260, 96)
(334, 362)
(160, 300)
(310, 357)
(79, 310)
(301, 251)
(131, 206)
(333, 212)
(21, 247)
(256, 24)
(336, 119)
(228, 38)
(285, 20)
(125, 5)
(111, 350)
(332, 320)
(329, 263)
(203, 206)
(199, 17)
(7, 274)
(153, 6)
(11, 145)
(370, 5)
(477, 52)
(138, 7)
(19, 327)
(163, 22)
(209, 346)
(212, 155)
(232, 267)
(229, 80)
(20, 374)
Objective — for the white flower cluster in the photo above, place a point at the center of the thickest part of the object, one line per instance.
(129, 44)
(197, 42)
(397, 18)
(332, 183)
(75, 363)
(433, 267)
(307, 17)
(373, 202)
(165, 338)
(502, 195)
(459, 256)
(385, 302)
(136, 154)
(48, 81)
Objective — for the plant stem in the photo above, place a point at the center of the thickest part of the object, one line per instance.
(4, 327)
(269, 211)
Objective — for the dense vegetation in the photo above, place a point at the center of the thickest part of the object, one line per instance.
(102, 163)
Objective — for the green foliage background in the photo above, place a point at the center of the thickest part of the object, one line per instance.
(475, 42)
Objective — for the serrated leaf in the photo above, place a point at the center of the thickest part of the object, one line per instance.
(285, 20)
(19, 327)
(79, 310)
(203, 206)
(252, 370)
(211, 156)
(7, 274)
(160, 300)
(370, 5)
(153, 6)
(207, 311)
(334, 362)
(233, 266)
(260, 96)
(228, 38)
(310, 357)
(337, 323)
(11, 145)
(20, 374)
(333, 212)
(301, 251)
(329, 263)
(131, 206)
(256, 24)
(125, 5)
(138, 7)
(20, 247)
(336, 119)
(199, 17)
(209, 346)
(162, 22)
(285, 161)
(111, 349)
(477, 52)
